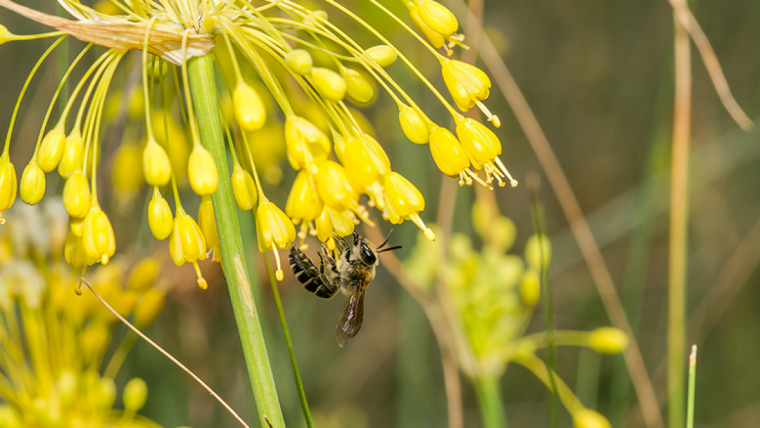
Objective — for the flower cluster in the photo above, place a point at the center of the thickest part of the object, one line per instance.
(54, 341)
(493, 295)
(262, 56)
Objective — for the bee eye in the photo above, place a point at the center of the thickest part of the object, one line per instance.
(368, 255)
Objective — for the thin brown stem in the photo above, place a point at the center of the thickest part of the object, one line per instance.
(578, 224)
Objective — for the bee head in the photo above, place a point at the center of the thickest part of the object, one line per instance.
(367, 252)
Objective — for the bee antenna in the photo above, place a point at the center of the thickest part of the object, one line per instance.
(390, 249)
(386, 239)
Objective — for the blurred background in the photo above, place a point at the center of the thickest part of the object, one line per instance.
(599, 77)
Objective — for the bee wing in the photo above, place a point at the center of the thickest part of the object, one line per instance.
(351, 319)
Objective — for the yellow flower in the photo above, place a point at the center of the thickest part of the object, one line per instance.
(97, 235)
(186, 243)
(484, 149)
(244, 188)
(608, 340)
(156, 165)
(330, 84)
(435, 38)
(249, 110)
(448, 153)
(160, 217)
(383, 55)
(467, 84)
(73, 154)
(202, 172)
(414, 125)
(438, 17)
(358, 87)
(207, 223)
(405, 202)
(51, 149)
(273, 230)
(307, 146)
(299, 61)
(332, 222)
(303, 202)
(7, 185)
(32, 184)
(76, 195)
(333, 187)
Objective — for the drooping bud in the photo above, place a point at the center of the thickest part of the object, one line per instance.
(202, 172)
(135, 395)
(438, 17)
(468, 84)
(303, 202)
(160, 217)
(76, 195)
(413, 125)
(357, 86)
(538, 252)
(331, 222)
(244, 189)
(530, 288)
(329, 84)
(186, 243)
(307, 146)
(448, 153)
(586, 418)
(435, 38)
(405, 202)
(608, 340)
(333, 187)
(249, 110)
(157, 167)
(51, 149)
(207, 223)
(73, 154)
(383, 55)
(97, 235)
(365, 162)
(32, 184)
(5, 35)
(299, 61)
(8, 185)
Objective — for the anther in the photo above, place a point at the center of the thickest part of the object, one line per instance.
(512, 181)
(491, 117)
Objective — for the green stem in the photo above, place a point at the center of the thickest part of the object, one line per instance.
(490, 402)
(692, 387)
(286, 333)
(206, 104)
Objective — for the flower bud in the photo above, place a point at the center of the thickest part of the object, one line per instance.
(303, 202)
(329, 84)
(468, 84)
(299, 61)
(249, 110)
(307, 146)
(331, 222)
(5, 35)
(51, 149)
(76, 224)
(413, 125)
(383, 55)
(448, 153)
(608, 340)
(438, 17)
(127, 172)
(7, 185)
(76, 195)
(186, 243)
(530, 288)
(357, 86)
(244, 189)
(143, 275)
(149, 307)
(160, 217)
(135, 395)
(585, 418)
(32, 184)
(333, 187)
(66, 387)
(97, 235)
(106, 393)
(481, 143)
(202, 172)
(157, 167)
(73, 154)
(538, 252)
(207, 223)
(402, 195)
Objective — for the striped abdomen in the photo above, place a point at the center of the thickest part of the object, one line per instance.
(313, 279)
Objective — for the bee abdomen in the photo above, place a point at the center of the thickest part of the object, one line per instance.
(308, 275)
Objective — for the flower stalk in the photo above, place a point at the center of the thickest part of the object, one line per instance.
(206, 104)
(490, 402)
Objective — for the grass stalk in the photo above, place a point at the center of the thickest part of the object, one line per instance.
(203, 87)
(286, 333)
(679, 219)
(490, 402)
(692, 387)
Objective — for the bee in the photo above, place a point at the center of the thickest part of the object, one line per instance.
(351, 273)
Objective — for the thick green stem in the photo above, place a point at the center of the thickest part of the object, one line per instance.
(206, 104)
(490, 402)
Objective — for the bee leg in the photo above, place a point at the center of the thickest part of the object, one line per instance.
(329, 285)
(313, 279)
(341, 243)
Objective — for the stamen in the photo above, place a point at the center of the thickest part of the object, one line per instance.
(512, 181)
(478, 179)
(491, 117)
(418, 221)
(279, 275)
(201, 282)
